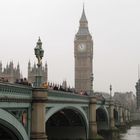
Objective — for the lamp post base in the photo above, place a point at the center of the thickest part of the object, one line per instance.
(38, 136)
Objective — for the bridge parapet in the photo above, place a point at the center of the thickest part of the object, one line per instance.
(10, 91)
(58, 96)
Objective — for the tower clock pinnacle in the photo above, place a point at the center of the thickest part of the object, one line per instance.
(83, 17)
(83, 25)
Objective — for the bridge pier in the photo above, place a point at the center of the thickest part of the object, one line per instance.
(122, 126)
(112, 121)
(127, 123)
(38, 131)
(92, 121)
(129, 118)
(113, 131)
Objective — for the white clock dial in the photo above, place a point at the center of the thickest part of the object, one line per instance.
(82, 47)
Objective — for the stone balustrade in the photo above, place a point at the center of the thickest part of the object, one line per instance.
(10, 91)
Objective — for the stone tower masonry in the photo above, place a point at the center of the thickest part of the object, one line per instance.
(83, 54)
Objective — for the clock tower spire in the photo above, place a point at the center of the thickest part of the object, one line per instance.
(83, 54)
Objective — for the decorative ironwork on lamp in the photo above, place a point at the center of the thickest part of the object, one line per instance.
(110, 91)
(39, 53)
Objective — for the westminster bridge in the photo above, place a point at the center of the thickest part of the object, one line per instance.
(42, 114)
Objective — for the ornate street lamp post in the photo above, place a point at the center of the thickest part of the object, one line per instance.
(39, 52)
(110, 92)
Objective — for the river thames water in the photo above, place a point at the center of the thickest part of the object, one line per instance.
(132, 134)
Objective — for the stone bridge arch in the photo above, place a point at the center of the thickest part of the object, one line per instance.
(12, 127)
(69, 114)
(102, 118)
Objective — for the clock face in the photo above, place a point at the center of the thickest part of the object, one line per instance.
(81, 47)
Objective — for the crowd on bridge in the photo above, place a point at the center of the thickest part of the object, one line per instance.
(48, 85)
(23, 81)
(58, 87)
(63, 88)
(2, 79)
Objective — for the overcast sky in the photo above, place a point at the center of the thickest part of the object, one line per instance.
(113, 24)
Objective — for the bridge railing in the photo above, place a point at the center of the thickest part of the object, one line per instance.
(69, 96)
(16, 91)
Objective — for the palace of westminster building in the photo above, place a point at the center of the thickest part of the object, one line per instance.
(11, 74)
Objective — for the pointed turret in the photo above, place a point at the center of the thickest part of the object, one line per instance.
(83, 28)
(18, 67)
(18, 71)
(83, 17)
(11, 66)
(29, 65)
(7, 66)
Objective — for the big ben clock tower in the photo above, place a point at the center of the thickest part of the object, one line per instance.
(83, 53)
